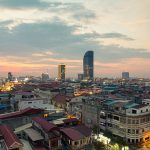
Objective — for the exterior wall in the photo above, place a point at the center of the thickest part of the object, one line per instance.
(133, 129)
(19, 121)
(35, 103)
(89, 116)
(140, 111)
(79, 144)
(52, 141)
(43, 94)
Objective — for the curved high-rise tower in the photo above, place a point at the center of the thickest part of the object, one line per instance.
(88, 67)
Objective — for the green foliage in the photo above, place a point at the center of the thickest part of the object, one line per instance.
(95, 129)
(99, 146)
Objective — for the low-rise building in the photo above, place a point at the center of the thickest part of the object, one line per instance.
(19, 118)
(50, 133)
(8, 139)
(76, 138)
(42, 103)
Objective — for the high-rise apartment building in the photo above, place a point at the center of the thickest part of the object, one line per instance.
(125, 75)
(61, 72)
(45, 76)
(88, 67)
(10, 76)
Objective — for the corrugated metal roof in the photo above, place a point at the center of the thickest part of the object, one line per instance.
(33, 134)
(9, 136)
(44, 124)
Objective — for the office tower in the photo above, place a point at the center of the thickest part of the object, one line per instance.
(10, 76)
(45, 76)
(88, 67)
(61, 72)
(80, 76)
(125, 75)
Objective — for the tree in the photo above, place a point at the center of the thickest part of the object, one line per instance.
(95, 129)
(99, 146)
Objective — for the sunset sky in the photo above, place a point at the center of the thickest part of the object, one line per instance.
(37, 35)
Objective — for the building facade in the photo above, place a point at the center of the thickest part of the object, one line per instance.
(124, 119)
(45, 77)
(80, 77)
(125, 75)
(88, 65)
(61, 72)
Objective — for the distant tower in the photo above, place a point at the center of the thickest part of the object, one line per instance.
(125, 75)
(45, 77)
(61, 72)
(80, 76)
(10, 76)
(88, 67)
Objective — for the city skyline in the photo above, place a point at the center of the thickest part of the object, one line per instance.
(36, 37)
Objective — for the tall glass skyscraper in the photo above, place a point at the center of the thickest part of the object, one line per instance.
(88, 67)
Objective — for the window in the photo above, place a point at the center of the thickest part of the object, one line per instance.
(76, 143)
(133, 131)
(141, 111)
(147, 138)
(142, 130)
(137, 131)
(116, 118)
(109, 116)
(146, 110)
(129, 121)
(129, 130)
(29, 102)
(137, 121)
(133, 121)
(134, 111)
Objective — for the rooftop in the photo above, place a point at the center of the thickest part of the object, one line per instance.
(77, 132)
(44, 124)
(9, 136)
(27, 111)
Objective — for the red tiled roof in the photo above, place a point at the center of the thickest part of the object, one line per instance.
(24, 112)
(44, 124)
(72, 134)
(9, 136)
(86, 131)
(77, 132)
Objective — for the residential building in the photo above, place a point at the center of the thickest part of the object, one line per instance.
(19, 118)
(76, 138)
(49, 132)
(42, 103)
